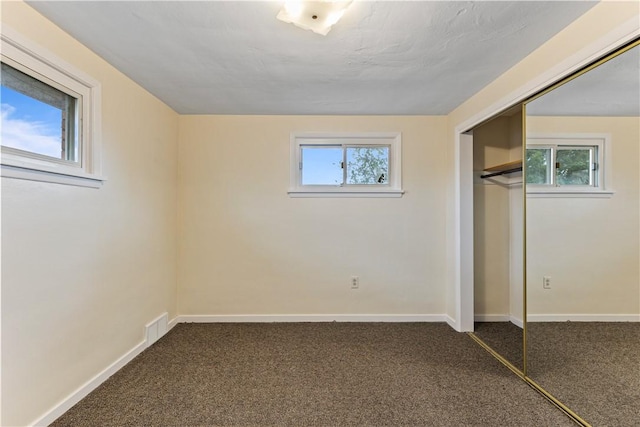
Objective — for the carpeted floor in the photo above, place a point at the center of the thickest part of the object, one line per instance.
(314, 374)
(593, 368)
(503, 337)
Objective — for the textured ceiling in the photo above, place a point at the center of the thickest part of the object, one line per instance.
(611, 89)
(392, 58)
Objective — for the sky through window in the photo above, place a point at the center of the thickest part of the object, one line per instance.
(30, 125)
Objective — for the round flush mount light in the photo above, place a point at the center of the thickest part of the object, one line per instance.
(316, 16)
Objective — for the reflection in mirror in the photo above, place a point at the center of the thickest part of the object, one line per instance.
(583, 242)
(498, 229)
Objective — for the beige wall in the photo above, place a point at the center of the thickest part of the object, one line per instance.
(491, 220)
(83, 270)
(497, 220)
(589, 247)
(516, 224)
(246, 247)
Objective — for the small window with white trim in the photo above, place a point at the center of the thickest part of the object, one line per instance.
(565, 164)
(347, 165)
(50, 116)
(38, 119)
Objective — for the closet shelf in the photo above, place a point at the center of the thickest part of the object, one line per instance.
(505, 168)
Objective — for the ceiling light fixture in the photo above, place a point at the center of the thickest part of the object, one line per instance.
(317, 16)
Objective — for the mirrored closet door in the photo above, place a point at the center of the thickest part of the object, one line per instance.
(582, 178)
(498, 230)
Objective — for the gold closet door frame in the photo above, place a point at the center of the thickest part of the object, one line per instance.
(523, 104)
(619, 51)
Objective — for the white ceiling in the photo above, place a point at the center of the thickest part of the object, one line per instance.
(611, 89)
(234, 57)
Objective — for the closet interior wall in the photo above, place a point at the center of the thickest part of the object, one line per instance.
(498, 222)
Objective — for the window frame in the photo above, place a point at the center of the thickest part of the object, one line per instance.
(39, 63)
(392, 140)
(602, 176)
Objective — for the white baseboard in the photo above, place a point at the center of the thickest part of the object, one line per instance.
(288, 318)
(154, 330)
(516, 321)
(499, 318)
(558, 318)
(172, 323)
(491, 318)
(63, 406)
(583, 318)
(452, 322)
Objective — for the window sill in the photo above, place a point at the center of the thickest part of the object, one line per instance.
(345, 193)
(595, 194)
(52, 175)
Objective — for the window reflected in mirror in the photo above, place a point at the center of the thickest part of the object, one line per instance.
(583, 242)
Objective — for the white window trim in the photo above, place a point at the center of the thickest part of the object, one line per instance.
(602, 140)
(392, 139)
(20, 50)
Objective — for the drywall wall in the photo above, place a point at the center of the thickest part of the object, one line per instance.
(584, 39)
(516, 224)
(588, 246)
(83, 270)
(491, 221)
(247, 248)
(498, 221)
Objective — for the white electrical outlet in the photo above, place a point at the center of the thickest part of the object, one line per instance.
(355, 282)
(546, 282)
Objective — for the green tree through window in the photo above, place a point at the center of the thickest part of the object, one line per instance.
(560, 165)
(538, 160)
(346, 165)
(573, 166)
(367, 165)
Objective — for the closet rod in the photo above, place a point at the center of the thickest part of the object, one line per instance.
(518, 169)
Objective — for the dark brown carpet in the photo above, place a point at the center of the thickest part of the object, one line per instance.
(593, 368)
(503, 337)
(314, 374)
